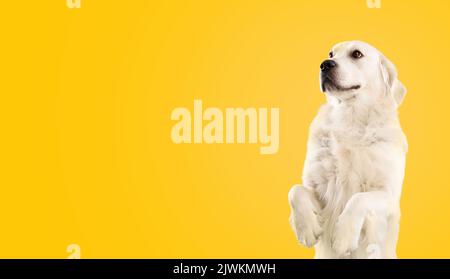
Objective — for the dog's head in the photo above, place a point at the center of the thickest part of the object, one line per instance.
(357, 70)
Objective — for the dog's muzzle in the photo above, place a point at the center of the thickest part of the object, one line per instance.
(327, 65)
(328, 77)
(327, 74)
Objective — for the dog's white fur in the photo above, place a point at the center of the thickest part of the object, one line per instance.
(349, 203)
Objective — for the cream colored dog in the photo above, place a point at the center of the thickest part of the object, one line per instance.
(349, 203)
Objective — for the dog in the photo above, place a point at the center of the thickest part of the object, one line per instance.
(349, 204)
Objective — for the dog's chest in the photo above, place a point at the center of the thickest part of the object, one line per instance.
(344, 163)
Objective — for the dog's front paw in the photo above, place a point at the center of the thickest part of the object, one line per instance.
(345, 238)
(306, 226)
(373, 251)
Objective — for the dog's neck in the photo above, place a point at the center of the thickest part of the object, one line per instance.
(358, 112)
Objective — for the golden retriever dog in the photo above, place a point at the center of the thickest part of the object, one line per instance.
(349, 203)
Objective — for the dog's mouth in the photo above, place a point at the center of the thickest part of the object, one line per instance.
(329, 84)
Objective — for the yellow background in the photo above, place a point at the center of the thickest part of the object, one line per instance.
(86, 97)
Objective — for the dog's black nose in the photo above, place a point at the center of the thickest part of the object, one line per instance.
(327, 65)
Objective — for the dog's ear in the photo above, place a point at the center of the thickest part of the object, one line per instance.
(389, 74)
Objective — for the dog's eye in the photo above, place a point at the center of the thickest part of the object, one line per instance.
(357, 54)
(330, 54)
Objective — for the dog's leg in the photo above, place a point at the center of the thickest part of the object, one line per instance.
(375, 234)
(382, 235)
(393, 223)
(348, 227)
(305, 215)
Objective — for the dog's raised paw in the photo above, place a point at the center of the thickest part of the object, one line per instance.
(306, 227)
(373, 251)
(345, 238)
